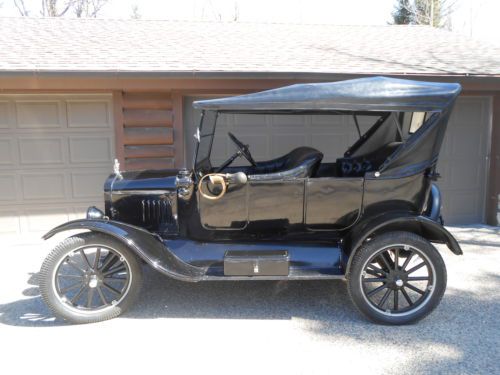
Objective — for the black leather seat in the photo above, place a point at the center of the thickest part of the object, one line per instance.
(301, 162)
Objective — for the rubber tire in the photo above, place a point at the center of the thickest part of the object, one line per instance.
(46, 278)
(367, 250)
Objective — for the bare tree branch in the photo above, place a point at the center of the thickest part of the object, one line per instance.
(21, 8)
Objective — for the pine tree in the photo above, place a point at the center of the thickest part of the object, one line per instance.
(402, 14)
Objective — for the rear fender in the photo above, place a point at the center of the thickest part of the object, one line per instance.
(421, 225)
(146, 245)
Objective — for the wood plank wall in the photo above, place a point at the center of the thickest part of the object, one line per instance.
(148, 137)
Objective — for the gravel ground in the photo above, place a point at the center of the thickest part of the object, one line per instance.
(257, 327)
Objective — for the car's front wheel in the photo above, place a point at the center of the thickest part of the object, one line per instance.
(90, 277)
(397, 278)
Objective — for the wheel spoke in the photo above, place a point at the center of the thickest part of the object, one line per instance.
(396, 258)
(375, 280)
(384, 298)
(90, 296)
(418, 278)
(376, 290)
(414, 288)
(78, 295)
(407, 261)
(418, 266)
(115, 278)
(376, 271)
(406, 296)
(396, 297)
(96, 259)
(386, 259)
(112, 289)
(84, 257)
(109, 261)
(71, 287)
(101, 294)
(68, 261)
(71, 276)
(117, 269)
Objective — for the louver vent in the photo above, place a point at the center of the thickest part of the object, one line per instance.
(156, 211)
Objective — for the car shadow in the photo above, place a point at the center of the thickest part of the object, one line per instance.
(162, 297)
(462, 331)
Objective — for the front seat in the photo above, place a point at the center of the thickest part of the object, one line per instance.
(299, 163)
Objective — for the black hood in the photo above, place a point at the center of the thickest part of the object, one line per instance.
(143, 180)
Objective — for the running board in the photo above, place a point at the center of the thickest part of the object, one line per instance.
(260, 260)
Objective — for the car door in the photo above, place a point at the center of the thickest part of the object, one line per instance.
(333, 202)
(257, 206)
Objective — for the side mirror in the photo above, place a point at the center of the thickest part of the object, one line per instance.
(238, 178)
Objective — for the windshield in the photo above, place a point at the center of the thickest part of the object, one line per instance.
(204, 137)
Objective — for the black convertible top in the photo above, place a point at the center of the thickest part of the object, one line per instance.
(363, 94)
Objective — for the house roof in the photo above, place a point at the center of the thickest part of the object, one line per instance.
(370, 93)
(61, 45)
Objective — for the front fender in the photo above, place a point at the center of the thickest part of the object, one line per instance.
(146, 245)
(421, 225)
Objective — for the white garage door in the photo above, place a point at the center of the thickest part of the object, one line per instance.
(55, 152)
(462, 163)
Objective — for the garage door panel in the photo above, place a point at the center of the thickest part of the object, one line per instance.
(39, 114)
(56, 151)
(467, 112)
(247, 122)
(88, 114)
(88, 184)
(84, 149)
(9, 222)
(332, 145)
(288, 121)
(6, 151)
(466, 175)
(466, 144)
(463, 161)
(41, 150)
(4, 115)
(42, 186)
(326, 122)
(8, 188)
(43, 219)
(283, 143)
(462, 207)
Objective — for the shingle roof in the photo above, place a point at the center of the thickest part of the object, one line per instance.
(98, 45)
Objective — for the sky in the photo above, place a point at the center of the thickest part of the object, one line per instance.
(475, 18)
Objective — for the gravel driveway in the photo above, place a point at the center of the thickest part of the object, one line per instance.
(257, 327)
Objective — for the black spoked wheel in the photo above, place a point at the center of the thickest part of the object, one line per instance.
(92, 277)
(89, 278)
(397, 278)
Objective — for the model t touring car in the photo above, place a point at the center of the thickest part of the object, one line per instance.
(370, 216)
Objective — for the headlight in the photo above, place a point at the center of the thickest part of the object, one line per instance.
(94, 213)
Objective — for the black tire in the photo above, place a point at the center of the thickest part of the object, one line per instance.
(106, 278)
(376, 281)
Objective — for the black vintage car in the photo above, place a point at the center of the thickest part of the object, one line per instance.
(370, 217)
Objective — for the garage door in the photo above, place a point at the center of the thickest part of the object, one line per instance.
(55, 152)
(462, 164)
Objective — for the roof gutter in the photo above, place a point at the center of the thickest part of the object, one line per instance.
(319, 76)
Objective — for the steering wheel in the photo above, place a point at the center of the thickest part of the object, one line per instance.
(245, 151)
(242, 151)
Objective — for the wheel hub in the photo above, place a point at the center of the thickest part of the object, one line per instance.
(399, 283)
(93, 281)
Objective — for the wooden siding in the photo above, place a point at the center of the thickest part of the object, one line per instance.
(146, 125)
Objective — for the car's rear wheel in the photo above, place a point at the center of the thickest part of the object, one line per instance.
(90, 277)
(397, 278)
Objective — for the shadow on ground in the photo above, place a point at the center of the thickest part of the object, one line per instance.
(464, 327)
